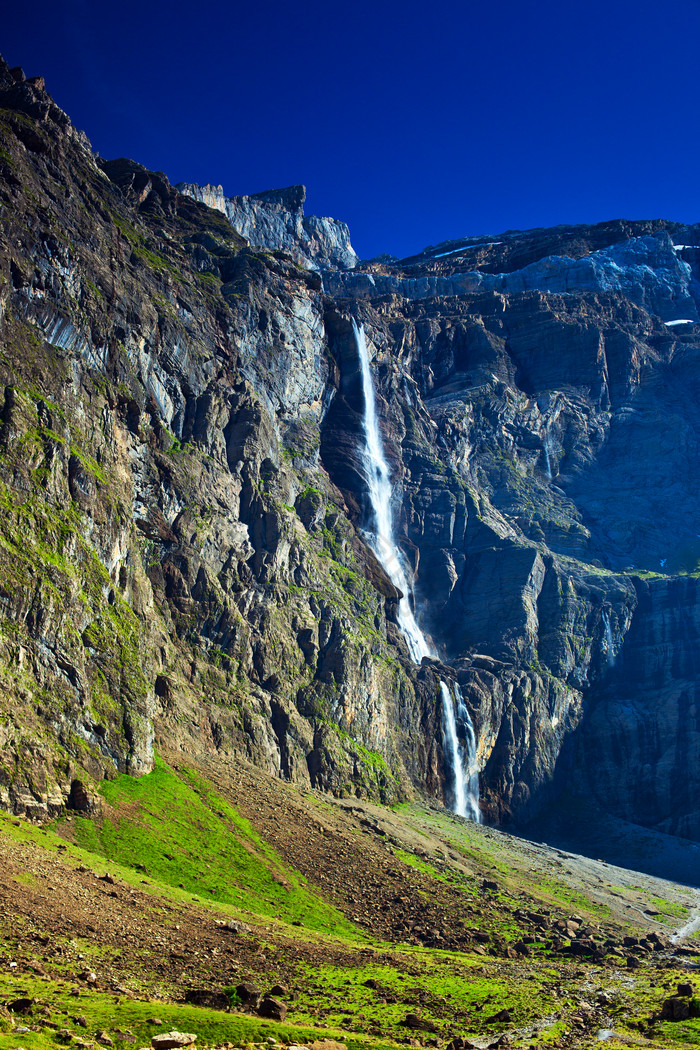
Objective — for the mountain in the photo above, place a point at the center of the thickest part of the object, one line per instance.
(188, 558)
(275, 219)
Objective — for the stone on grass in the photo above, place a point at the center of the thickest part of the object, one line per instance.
(248, 992)
(206, 997)
(502, 1017)
(236, 927)
(415, 1022)
(273, 1008)
(20, 1006)
(171, 1040)
(675, 1009)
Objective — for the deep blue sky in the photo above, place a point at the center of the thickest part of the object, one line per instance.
(413, 122)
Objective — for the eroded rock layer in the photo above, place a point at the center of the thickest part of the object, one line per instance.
(183, 555)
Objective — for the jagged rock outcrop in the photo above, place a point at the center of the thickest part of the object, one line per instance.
(275, 219)
(649, 271)
(183, 511)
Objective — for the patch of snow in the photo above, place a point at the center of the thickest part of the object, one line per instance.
(483, 244)
(681, 320)
(680, 247)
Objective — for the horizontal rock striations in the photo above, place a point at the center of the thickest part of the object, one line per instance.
(184, 561)
(649, 271)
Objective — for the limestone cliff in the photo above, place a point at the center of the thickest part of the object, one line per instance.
(275, 219)
(183, 550)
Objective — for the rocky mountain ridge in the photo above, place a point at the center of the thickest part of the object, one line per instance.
(650, 271)
(275, 219)
(184, 503)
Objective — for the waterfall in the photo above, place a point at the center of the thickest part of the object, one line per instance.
(471, 773)
(465, 782)
(381, 536)
(452, 749)
(464, 775)
(547, 449)
(609, 645)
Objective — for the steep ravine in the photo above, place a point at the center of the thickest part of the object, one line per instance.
(182, 555)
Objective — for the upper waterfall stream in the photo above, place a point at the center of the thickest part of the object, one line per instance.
(465, 781)
(379, 488)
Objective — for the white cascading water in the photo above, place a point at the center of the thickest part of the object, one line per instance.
(470, 772)
(379, 486)
(381, 538)
(452, 749)
(609, 640)
(547, 448)
(691, 926)
(465, 775)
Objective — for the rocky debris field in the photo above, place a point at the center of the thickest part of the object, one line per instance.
(459, 935)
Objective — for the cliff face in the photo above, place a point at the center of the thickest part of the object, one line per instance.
(183, 555)
(275, 219)
(176, 563)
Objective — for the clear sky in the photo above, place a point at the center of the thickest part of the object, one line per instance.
(413, 122)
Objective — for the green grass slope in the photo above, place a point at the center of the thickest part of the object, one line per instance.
(183, 859)
(182, 834)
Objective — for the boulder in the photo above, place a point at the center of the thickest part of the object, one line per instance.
(206, 997)
(248, 992)
(171, 1040)
(234, 926)
(273, 1008)
(675, 1008)
(20, 1006)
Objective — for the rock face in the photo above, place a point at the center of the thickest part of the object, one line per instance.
(649, 271)
(184, 508)
(275, 219)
